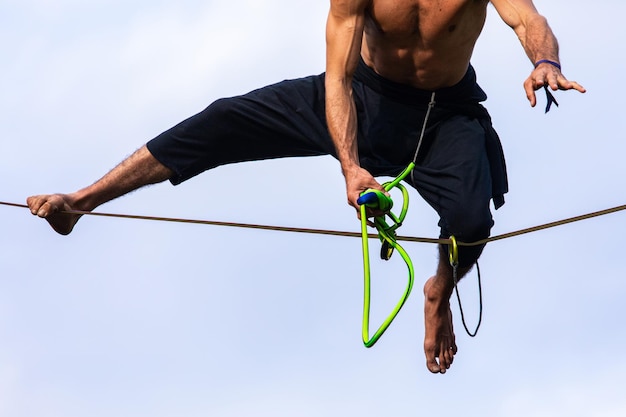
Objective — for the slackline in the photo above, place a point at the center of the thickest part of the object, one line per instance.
(343, 233)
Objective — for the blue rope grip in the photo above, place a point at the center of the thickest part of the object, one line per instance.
(375, 199)
(453, 252)
(550, 98)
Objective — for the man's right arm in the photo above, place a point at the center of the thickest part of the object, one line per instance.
(344, 34)
(540, 45)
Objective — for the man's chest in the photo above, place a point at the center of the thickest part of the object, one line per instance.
(422, 17)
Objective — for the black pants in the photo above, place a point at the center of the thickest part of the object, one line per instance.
(453, 172)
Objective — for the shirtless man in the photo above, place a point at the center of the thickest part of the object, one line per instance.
(385, 58)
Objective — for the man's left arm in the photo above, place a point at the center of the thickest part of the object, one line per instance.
(540, 45)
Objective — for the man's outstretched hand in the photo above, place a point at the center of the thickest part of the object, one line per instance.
(546, 74)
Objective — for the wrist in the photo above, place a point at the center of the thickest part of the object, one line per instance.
(349, 174)
(349, 167)
(548, 61)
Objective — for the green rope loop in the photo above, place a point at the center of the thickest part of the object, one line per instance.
(390, 239)
(387, 236)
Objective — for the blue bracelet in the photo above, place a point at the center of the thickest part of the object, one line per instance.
(547, 61)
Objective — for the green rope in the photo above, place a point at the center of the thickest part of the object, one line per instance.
(367, 341)
(387, 235)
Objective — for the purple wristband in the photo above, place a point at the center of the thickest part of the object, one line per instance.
(547, 61)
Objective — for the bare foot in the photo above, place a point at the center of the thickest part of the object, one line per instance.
(51, 208)
(439, 341)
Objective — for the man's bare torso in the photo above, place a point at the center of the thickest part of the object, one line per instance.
(424, 43)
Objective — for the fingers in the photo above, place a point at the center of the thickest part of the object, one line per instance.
(357, 182)
(548, 75)
(562, 83)
(369, 222)
(529, 87)
(354, 192)
(578, 87)
(369, 213)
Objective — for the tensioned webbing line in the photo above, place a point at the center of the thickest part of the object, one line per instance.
(389, 239)
(343, 233)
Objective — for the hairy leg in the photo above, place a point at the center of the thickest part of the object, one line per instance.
(138, 170)
(439, 340)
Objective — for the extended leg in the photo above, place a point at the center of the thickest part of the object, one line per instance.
(138, 170)
(281, 120)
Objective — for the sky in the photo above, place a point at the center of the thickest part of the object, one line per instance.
(136, 318)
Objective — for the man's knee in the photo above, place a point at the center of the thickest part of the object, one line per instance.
(467, 255)
(467, 220)
(219, 111)
(468, 226)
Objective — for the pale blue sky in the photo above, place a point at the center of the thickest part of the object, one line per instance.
(131, 318)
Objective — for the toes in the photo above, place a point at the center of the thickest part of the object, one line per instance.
(446, 356)
(46, 209)
(44, 205)
(440, 362)
(433, 366)
(431, 359)
(34, 203)
(39, 205)
(53, 208)
(449, 355)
